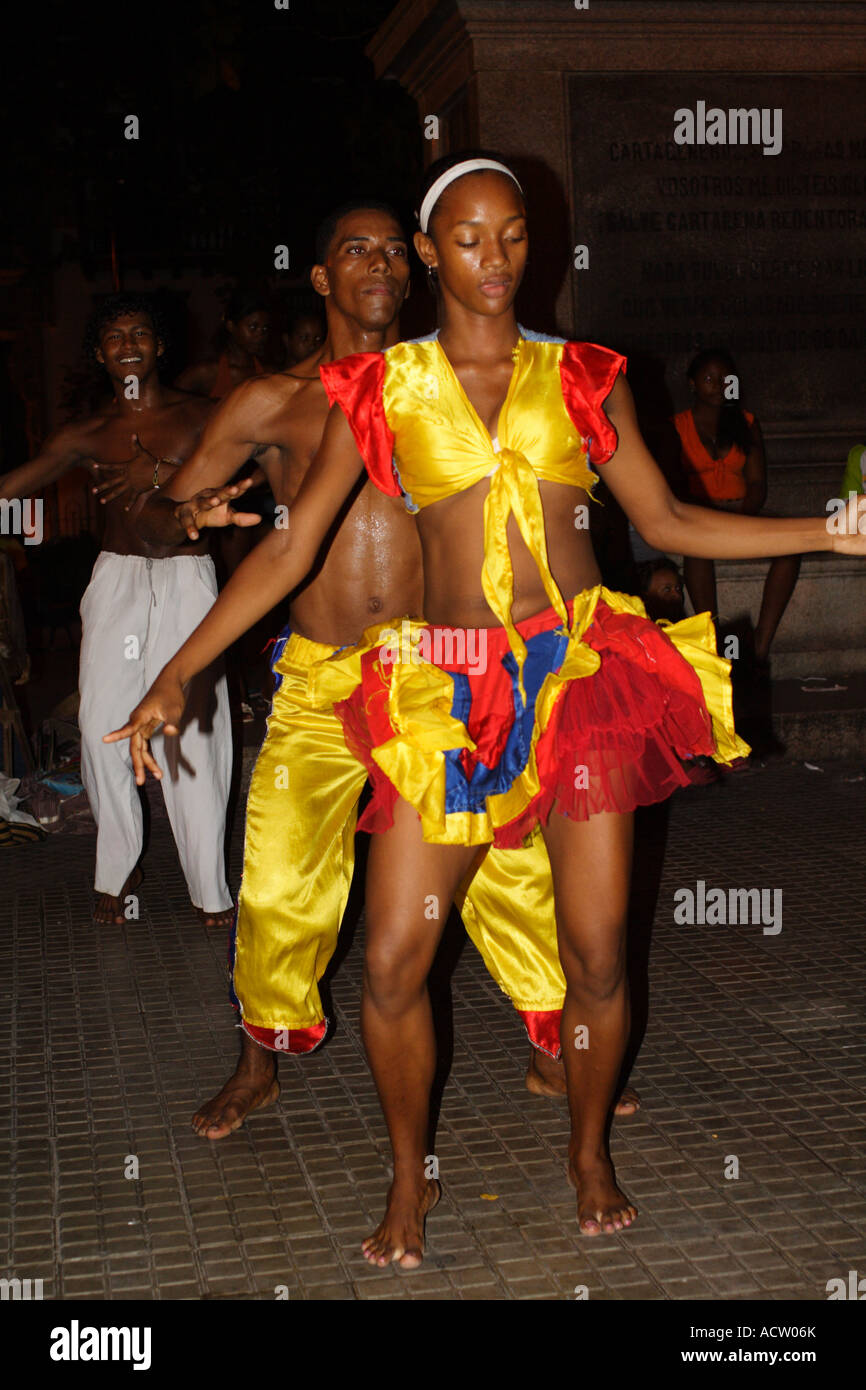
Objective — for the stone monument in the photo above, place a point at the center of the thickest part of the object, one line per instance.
(696, 175)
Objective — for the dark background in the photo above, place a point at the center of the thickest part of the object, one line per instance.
(254, 121)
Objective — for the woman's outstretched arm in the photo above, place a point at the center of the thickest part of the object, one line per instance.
(272, 570)
(683, 529)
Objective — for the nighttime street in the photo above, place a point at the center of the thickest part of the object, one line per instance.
(755, 1050)
(433, 678)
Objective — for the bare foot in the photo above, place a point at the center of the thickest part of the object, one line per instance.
(222, 917)
(252, 1086)
(602, 1208)
(109, 910)
(545, 1076)
(399, 1238)
(628, 1103)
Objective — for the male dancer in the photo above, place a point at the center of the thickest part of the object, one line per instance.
(141, 600)
(298, 855)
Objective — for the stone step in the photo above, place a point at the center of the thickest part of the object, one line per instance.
(806, 720)
(802, 489)
(824, 626)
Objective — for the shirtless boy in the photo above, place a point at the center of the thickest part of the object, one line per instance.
(140, 600)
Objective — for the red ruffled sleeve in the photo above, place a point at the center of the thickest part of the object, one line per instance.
(588, 373)
(355, 384)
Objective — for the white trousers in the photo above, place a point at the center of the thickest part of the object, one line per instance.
(135, 614)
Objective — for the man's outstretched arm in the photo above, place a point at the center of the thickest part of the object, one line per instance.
(272, 570)
(59, 454)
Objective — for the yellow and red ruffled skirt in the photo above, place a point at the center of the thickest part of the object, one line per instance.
(614, 703)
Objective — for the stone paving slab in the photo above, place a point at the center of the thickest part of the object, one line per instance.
(754, 1059)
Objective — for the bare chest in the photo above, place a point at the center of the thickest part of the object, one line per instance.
(165, 436)
(287, 460)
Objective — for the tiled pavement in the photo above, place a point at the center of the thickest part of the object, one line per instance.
(755, 1051)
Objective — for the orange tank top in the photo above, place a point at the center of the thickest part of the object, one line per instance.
(712, 480)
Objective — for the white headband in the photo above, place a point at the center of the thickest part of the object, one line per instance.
(468, 166)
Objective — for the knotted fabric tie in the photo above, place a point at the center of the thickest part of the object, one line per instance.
(514, 489)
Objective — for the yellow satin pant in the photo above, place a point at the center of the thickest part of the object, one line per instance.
(298, 862)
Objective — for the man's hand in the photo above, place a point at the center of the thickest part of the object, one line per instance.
(128, 480)
(210, 508)
(163, 704)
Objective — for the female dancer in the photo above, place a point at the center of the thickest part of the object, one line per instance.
(577, 713)
(724, 465)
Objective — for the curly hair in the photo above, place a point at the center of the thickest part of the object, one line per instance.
(120, 305)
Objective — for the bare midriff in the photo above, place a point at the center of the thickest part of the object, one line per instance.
(452, 540)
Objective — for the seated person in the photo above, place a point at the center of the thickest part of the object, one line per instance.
(725, 468)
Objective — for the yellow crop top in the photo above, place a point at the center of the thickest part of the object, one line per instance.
(420, 436)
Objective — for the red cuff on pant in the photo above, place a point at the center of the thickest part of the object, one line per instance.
(295, 1040)
(543, 1029)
